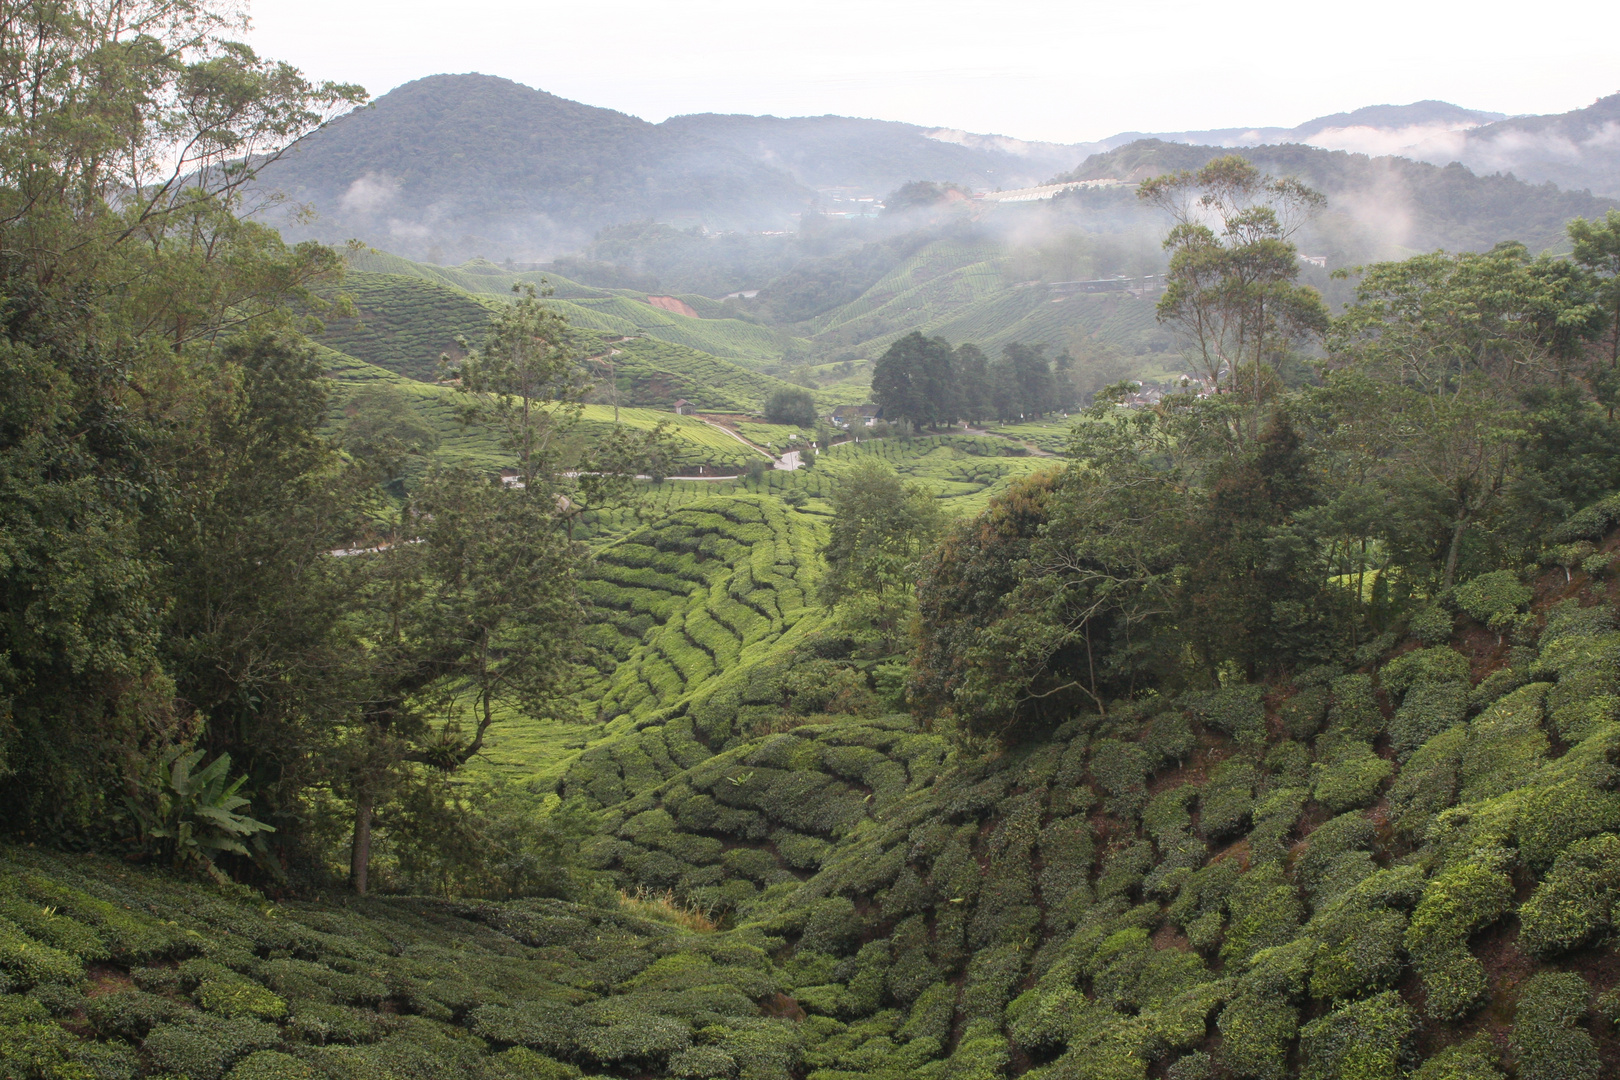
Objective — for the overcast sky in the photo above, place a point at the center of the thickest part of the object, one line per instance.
(1062, 70)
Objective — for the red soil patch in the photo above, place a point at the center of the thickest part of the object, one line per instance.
(1169, 936)
(781, 1005)
(669, 303)
(106, 979)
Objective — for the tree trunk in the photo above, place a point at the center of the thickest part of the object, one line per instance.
(1450, 577)
(360, 854)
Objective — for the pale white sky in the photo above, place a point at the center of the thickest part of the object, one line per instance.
(1063, 70)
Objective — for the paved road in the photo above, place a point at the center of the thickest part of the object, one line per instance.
(788, 461)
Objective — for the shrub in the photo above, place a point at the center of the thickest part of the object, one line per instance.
(1365, 1040)
(1491, 598)
(1475, 1059)
(1167, 738)
(1265, 912)
(130, 1014)
(1438, 665)
(40, 1049)
(271, 1065)
(1548, 1040)
(55, 929)
(1361, 949)
(1194, 1066)
(1556, 816)
(1506, 745)
(1456, 903)
(1349, 776)
(1426, 711)
(319, 1023)
(703, 1063)
(1428, 783)
(235, 998)
(1431, 625)
(1227, 800)
(1236, 710)
(1302, 714)
(1257, 1031)
(1575, 903)
(991, 977)
(30, 963)
(203, 1051)
(1331, 840)
(931, 1015)
(1354, 710)
(1122, 870)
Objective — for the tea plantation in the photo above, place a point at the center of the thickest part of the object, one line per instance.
(1401, 869)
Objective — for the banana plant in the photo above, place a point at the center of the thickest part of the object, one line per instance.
(194, 814)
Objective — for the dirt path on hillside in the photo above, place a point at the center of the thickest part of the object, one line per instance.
(734, 435)
(1034, 450)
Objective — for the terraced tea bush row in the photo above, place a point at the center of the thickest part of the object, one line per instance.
(123, 973)
(722, 580)
(405, 323)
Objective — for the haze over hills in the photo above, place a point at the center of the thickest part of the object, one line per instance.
(452, 167)
(1579, 149)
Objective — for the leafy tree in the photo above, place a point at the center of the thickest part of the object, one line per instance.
(1597, 250)
(919, 195)
(796, 407)
(973, 383)
(478, 605)
(384, 428)
(914, 380)
(256, 634)
(1231, 289)
(1448, 345)
(128, 133)
(880, 528)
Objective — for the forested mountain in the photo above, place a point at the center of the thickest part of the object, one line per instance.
(1576, 150)
(455, 166)
(1391, 126)
(1390, 201)
(873, 157)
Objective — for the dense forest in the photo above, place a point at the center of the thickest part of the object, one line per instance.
(393, 685)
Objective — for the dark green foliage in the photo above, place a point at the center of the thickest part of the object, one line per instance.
(1257, 1030)
(1121, 769)
(1303, 713)
(1548, 1039)
(1475, 1059)
(1354, 712)
(1226, 801)
(795, 407)
(1575, 902)
(1427, 709)
(1167, 739)
(1365, 1040)
(1457, 902)
(1236, 711)
(1265, 911)
(1349, 774)
(1492, 598)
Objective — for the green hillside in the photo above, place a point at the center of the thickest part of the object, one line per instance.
(1240, 881)
(405, 323)
(410, 314)
(618, 312)
(972, 293)
(694, 443)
